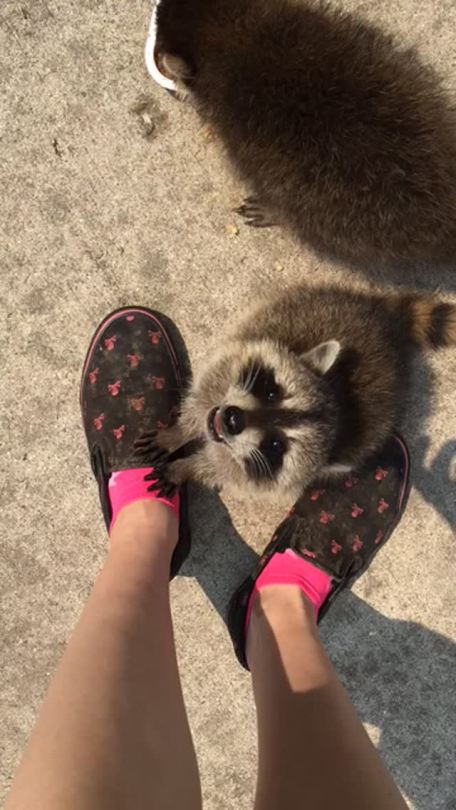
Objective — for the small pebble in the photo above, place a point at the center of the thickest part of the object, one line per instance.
(233, 230)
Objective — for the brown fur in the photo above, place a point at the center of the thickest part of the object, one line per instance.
(342, 135)
(357, 402)
(432, 323)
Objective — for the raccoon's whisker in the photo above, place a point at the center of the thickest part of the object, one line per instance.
(267, 469)
(255, 464)
(252, 382)
(261, 463)
(265, 464)
(248, 380)
(252, 464)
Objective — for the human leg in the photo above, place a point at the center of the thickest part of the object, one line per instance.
(313, 750)
(113, 730)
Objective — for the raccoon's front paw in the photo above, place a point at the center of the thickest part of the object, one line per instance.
(147, 448)
(165, 474)
(162, 437)
(255, 214)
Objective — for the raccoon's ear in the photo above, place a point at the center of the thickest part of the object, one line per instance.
(175, 67)
(323, 356)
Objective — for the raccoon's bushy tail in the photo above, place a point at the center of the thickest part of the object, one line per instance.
(431, 323)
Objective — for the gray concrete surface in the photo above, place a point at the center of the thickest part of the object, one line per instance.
(96, 214)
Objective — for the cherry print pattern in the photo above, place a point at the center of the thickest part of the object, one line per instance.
(357, 544)
(323, 525)
(133, 359)
(356, 510)
(98, 421)
(110, 342)
(125, 387)
(137, 403)
(119, 403)
(114, 388)
(118, 432)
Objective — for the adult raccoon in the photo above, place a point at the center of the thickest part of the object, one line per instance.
(339, 133)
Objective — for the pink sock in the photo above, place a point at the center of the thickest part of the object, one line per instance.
(288, 568)
(126, 486)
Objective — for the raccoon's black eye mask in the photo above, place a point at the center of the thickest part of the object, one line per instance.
(265, 461)
(259, 380)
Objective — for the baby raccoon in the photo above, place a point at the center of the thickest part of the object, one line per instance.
(309, 386)
(340, 134)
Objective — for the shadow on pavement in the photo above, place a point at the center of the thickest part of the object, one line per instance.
(399, 674)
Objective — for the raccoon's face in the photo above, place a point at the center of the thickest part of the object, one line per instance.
(268, 415)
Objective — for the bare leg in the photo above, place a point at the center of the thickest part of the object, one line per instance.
(313, 750)
(113, 732)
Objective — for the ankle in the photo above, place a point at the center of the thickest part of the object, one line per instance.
(282, 605)
(144, 529)
(283, 649)
(282, 610)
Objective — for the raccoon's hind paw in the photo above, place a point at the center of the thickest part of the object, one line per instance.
(255, 214)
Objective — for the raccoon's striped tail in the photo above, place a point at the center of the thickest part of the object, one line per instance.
(431, 323)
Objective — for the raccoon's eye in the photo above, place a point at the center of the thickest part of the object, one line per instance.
(274, 448)
(272, 394)
(265, 388)
(265, 462)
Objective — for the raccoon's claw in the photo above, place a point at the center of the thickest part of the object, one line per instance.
(254, 214)
(145, 440)
(151, 453)
(164, 488)
(158, 478)
(157, 472)
(157, 457)
(145, 447)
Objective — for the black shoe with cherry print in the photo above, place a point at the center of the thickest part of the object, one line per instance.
(134, 375)
(338, 527)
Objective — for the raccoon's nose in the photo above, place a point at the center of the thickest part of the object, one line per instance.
(233, 420)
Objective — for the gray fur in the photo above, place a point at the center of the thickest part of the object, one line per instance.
(340, 359)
